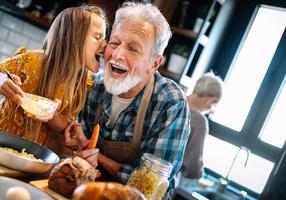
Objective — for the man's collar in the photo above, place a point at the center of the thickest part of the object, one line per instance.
(106, 98)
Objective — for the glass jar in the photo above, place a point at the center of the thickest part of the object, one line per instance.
(151, 178)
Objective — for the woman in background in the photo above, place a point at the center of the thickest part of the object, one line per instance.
(206, 94)
(72, 48)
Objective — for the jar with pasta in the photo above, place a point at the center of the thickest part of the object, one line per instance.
(151, 178)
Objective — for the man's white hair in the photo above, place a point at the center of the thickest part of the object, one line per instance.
(140, 12)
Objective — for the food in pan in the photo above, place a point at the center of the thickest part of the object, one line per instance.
(70, 173)
(106, 191)
(17, 193)
(23, 153)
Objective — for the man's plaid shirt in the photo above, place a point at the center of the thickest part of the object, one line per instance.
(166, 127)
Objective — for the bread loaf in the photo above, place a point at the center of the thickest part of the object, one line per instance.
(70, 173)
(106, 191)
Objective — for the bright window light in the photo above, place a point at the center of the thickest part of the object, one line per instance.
(218, 156)
(249, 68)
(274, 131)
(254, 175)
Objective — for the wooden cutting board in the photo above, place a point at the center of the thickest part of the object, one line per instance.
(43, 185)
(5, 171)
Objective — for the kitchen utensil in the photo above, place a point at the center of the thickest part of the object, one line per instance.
(10, 76)
(25, 164)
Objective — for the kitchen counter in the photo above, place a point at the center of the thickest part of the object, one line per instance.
(23, 15)
(220, 189)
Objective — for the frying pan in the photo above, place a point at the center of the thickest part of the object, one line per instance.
(25, 164)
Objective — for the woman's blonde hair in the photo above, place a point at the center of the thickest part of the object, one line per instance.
(63, 61)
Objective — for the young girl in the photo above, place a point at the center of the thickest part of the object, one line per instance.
(71, 49)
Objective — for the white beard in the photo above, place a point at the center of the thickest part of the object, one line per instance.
(120, 86)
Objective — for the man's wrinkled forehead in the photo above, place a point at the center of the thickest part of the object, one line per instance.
(140, 28)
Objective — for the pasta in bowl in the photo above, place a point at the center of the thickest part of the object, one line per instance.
(22, 153)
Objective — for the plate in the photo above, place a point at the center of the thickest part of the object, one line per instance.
(35, 193)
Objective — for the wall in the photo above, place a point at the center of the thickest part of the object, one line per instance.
(15, 33)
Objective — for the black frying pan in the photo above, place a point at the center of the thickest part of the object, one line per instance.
(24, 164)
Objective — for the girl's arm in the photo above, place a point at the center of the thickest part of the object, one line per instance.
(58, 122)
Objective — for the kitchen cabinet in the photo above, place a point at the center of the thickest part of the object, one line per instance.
(191, 24)
(24, 14)
(42, 13)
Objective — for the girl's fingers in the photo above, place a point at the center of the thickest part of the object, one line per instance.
(17, 79)
(14, 87)
(9, 92)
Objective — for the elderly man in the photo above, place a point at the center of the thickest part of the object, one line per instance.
(138, 110)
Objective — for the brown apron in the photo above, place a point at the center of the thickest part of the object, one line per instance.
(126, 152)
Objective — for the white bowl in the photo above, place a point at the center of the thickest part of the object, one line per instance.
(39, 106)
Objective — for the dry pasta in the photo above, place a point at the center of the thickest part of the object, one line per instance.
(149, 183)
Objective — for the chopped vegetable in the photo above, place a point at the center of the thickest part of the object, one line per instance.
(94, 137)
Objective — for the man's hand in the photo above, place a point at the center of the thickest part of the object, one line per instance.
(90, 155)
(11, 90)
(110, 165)
(74, 136)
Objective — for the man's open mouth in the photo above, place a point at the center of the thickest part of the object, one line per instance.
(117, 68)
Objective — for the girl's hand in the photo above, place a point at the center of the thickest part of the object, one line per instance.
(74, 136)
(10, 89)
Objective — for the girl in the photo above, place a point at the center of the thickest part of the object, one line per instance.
(71, 49)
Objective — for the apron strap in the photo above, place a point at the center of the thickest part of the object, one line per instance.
(97, 114)
(142, 110)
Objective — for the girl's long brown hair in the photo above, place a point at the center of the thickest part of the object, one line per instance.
(63, 60)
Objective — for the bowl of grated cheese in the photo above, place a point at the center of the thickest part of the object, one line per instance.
(39, 106)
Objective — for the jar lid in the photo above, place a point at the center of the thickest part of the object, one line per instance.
(157, 164)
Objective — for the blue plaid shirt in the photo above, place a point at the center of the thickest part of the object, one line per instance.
(166, 127)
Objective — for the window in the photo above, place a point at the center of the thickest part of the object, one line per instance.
(251, 60)
(249, 176)
(274, 131)
(248, 70)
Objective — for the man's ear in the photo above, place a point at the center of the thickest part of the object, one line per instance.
(156, 63)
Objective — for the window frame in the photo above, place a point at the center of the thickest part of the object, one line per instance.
(249, 134)
(220, 56)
